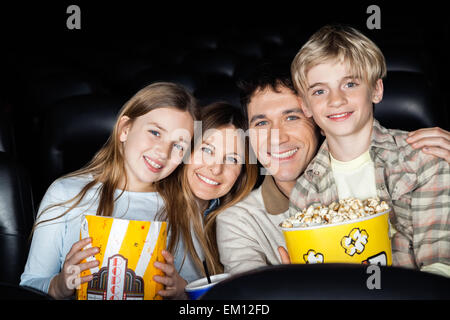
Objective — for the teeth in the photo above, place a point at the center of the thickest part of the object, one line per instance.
(339, 115)
(207, 180)
(284, 154)
(152, 163)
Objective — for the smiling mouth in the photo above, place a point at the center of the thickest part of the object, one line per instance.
(206, 180)
(340, 116)
(152, 164)
(284, 155)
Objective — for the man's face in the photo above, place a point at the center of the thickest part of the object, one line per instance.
(283, 138)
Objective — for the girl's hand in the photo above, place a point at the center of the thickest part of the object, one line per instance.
(173, 283)
(64, 283)
(434, 141)
(284, 255)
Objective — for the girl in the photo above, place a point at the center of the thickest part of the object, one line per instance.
(149, 140)
(218, 175)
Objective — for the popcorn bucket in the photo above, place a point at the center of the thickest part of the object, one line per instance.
(128, 250)
(365, 240)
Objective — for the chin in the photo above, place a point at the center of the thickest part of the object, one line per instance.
(286, 176)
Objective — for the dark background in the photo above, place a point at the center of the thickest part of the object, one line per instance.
(53, 78)
(60, 89)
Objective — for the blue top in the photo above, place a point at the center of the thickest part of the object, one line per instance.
(53, 240)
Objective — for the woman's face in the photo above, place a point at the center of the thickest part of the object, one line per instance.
(216, 163)
(154, 145)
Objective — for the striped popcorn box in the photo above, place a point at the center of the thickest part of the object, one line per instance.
(128, 250)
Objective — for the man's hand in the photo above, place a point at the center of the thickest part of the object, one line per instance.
(434, 141)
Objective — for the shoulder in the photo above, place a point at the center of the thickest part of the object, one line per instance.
(66, 188)
(248, 207)
(396, 151)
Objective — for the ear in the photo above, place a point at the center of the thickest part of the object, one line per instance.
(377, 93)
(124, 128)
(304, 106)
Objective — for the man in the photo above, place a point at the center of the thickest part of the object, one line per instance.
(285, 141)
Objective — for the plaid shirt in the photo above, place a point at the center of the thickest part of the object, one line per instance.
(414, 184)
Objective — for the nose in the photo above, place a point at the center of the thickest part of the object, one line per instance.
(216, 168)
(277, 135)
(163, 150)
(337, 98)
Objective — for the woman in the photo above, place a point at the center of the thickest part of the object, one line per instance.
(218, 175)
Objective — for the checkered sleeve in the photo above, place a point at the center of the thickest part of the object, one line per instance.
(430, 207)
(299, 195)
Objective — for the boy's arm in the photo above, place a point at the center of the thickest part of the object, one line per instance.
(430, 206)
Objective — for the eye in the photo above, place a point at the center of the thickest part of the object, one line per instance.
(178, 146)
(155, 133)
(207, 150)
(351, 84)
(318, 92)
(290, 118)
(261, 123)
(231, 160)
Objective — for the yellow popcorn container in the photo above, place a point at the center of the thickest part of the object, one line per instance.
(128, 250)
(365, 240)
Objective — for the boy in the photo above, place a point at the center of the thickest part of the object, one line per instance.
(338, 73)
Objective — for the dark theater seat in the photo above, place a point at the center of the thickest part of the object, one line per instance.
(74, 130)
(16, 219)
(407, 102)
(6, 133)
(329, 281)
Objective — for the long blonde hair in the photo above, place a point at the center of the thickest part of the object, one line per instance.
(107, 166)
(181, 207)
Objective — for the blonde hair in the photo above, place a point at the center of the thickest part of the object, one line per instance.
(343, 43)
(181, 206)
(107, 166)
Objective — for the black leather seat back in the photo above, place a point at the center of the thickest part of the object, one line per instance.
(407, 103)
(16, 219)
(330, 281)
(74, 130)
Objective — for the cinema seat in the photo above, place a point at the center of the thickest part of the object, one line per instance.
(16, 219)
(6, 133)
(74, 130)
(408, 102)
(218, 88)
(330, 282)
(210, 62)
(189, 80)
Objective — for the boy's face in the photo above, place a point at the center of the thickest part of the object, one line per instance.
(339, 101)
(283, 138)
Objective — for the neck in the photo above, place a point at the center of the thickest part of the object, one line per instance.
(347, 148)
(202, 204)
(285, 186)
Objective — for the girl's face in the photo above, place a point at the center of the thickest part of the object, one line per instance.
(154, 145)
(216, 163)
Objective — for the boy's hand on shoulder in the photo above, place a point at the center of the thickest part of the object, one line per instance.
(434, 141)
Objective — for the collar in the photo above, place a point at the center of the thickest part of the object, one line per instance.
(213, 204)
(380, 139)
(275, 201)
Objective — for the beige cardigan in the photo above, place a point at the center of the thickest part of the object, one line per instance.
(248, 234)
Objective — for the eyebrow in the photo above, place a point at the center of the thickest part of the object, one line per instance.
(323, 83)
(288, 111)
(157, 125)
(294, 110)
